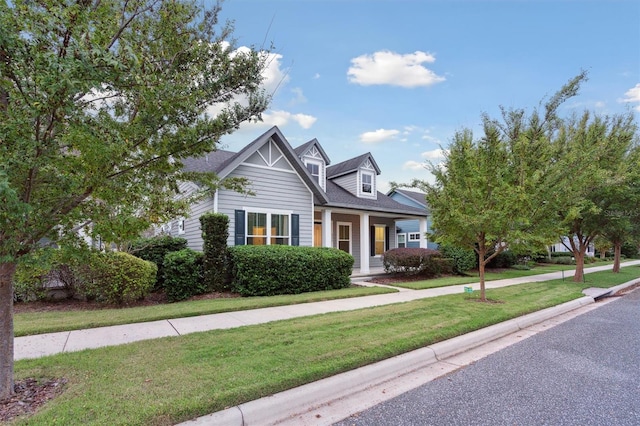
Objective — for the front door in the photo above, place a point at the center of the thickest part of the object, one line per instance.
(317, 234)
(344, 236)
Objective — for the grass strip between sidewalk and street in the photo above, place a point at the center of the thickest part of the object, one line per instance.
(169, 380)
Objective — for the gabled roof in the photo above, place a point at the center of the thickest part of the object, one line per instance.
(302, 149)
(224, 162)
(211, 162)
(351, 166)
(339, 197)
(418, 197)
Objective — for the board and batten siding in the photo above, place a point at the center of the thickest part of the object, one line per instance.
(274, 189)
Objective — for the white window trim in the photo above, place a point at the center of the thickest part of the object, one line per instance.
(361, 193)
(268, 212)
(321, 172)
(348, 224)
(413, 236)
(181, 226)
(384, 237)
(403, 234)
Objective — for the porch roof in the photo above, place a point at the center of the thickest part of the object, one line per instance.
(339, 197)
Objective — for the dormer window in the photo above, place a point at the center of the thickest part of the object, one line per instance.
(367, 183)
(314, 170)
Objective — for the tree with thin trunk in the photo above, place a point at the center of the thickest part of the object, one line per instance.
(100, 100)
(601, 147)
(494, 193)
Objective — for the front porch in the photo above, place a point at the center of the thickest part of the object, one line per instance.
(365, 235)
(375, 270)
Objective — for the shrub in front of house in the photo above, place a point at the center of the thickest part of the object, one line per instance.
(561, 260)
(412, 261)
(154, 249)
(32, 274)
(462, 259)
(117, 277)
(276, 269)
(215, 231)
(183, 274)
(504, 259)
(47, 270)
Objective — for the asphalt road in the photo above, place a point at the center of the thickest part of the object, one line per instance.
(585, 371)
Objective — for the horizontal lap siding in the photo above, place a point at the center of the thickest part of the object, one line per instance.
(274, 189)
(348, 182)
(192, 232)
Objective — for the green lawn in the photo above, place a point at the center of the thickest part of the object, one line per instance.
(54, 321)
(169, 380)
(29, 323)
(490, 276)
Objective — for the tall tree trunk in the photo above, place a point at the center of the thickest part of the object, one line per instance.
(481, 264)
(579, 256)
(617, 253)
(7, 271)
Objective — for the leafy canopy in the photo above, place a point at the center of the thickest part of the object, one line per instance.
(100, 100)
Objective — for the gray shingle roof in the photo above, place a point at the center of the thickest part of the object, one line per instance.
(418, 197)
(350, 166)
(339, 197)
(212, 162)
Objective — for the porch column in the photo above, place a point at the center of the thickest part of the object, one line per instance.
(364, 243)
(326, 228)
(423, 232)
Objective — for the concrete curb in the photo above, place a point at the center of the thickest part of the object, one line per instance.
(623, 286)
(293, 402)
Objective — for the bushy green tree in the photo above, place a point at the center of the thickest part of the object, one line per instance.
(603, 147)
(100, 100)
(496, 191)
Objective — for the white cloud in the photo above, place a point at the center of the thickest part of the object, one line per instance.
(413, 165)
(282, 118)
(316, 76)
(378, 135)
(386, 67)
(433, 154)
(299, 97)
(633, 96)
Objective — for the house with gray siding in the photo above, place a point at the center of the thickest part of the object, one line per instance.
(299, 198)
(410, 233)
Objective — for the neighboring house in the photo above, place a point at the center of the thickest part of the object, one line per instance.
(299, 200)
(409, 233)
(561, 248)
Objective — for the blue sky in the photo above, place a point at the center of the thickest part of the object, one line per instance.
(399, 78)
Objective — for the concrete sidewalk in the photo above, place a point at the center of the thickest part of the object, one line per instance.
(69, 341)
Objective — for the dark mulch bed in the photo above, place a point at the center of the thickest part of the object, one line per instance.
(29, 395)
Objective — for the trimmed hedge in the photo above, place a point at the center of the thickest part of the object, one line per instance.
(117, 277)
(412, 261)
(462, 259)
(215, 231)
(183, 274)
(276, 269)
(504, 259)
(154, 249)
